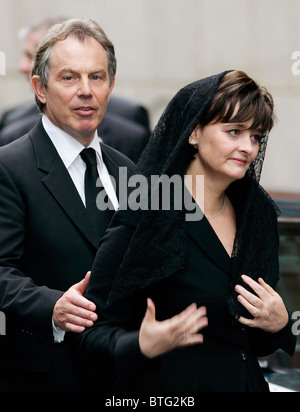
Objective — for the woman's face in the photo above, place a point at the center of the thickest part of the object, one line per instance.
(226, 150)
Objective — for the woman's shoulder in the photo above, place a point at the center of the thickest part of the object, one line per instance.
(248, 194)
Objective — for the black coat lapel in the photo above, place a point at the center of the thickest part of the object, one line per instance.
(112, 166)
(206, 238)
(59, 183)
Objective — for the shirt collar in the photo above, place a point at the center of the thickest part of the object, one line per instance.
(67, 147)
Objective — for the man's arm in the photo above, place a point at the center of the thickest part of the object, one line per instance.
(30, 306)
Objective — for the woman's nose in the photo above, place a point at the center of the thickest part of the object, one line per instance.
(246, 144)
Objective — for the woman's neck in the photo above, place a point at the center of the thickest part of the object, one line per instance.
(214, 201)
(214, 189)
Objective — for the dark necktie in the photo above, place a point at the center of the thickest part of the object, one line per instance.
(99, 218)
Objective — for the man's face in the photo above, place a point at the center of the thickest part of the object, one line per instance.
(78, 87)
(28, 51)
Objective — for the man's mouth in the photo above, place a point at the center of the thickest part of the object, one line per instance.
(85, 110)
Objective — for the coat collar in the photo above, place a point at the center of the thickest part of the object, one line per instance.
(59, 183)
(206, 238)
(112, 167)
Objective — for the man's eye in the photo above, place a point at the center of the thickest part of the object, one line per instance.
(96, 77)
(68, 78)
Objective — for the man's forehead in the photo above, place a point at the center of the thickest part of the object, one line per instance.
(86, 52)
(75, 45)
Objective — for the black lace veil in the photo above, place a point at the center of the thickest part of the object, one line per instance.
(158, 247)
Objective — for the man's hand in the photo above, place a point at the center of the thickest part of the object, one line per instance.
(73, 312)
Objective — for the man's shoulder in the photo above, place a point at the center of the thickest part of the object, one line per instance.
(17, 157)
(16, 148)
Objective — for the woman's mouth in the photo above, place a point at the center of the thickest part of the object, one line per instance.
(239, 161)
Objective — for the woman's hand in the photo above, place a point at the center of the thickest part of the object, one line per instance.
(267, 308)
(157, 338)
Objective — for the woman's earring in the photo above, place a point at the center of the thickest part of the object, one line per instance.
(193, 143)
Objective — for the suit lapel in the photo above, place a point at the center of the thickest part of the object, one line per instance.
(206, 238)
(112, 167)
(59, 183)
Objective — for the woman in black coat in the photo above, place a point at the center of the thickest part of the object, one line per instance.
(188, 303)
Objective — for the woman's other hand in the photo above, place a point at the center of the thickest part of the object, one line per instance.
(157, 338)
(266, 306)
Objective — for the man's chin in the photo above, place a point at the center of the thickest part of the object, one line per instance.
(83, 135)
(86, 128)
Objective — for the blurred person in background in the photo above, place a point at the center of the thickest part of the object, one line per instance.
(125, 126)
(49, 221)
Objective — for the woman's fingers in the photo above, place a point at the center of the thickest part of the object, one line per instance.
(265, 305)
(187, 324)
(192, 336)
(267, 287)
(159, 337)
(196, 321)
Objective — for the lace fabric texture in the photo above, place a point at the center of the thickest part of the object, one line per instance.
(158, 247)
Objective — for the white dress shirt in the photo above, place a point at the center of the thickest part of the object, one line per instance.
(69, 150)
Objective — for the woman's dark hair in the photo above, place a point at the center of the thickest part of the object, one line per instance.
(238, 90)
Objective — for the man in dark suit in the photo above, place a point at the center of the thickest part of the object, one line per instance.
(125, 125)
(48, 237)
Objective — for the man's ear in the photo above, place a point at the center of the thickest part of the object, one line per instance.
(111, 87)
(38, 88)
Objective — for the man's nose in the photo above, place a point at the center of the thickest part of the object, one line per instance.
(84, 88)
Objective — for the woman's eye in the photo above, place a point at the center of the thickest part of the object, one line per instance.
(257, 138)
(234, 132)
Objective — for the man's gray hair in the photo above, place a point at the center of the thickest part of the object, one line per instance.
(81, 28)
